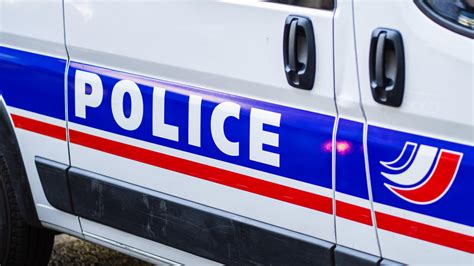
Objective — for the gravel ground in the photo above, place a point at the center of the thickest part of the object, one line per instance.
(69, 250)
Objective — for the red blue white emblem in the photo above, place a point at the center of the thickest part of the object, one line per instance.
(422, 174)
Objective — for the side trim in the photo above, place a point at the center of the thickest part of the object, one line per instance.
(197, 231)
(55, 183)
(348, 256)
(387, 262)
(10, 152)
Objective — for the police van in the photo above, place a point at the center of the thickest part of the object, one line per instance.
(282, 132)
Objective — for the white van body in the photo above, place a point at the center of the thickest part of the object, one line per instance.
(241, 132)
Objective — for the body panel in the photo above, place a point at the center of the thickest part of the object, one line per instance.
(221, 58)
(436, 117)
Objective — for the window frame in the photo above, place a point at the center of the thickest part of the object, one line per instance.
(442, 21)
(311, 4)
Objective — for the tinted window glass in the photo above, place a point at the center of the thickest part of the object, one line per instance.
(456, 15)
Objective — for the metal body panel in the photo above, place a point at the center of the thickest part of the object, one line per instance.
(438, 84)
(222, 51)
(33, 25)
(221, 58)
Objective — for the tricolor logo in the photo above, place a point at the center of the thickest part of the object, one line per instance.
(422, 174)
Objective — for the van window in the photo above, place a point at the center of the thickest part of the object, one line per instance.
(456, 15)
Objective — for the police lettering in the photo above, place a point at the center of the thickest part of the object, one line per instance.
(89, 93)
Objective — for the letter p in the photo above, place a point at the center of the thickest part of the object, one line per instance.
(84, 99)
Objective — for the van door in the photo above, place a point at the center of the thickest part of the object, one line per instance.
(205, 126)
(415, 65)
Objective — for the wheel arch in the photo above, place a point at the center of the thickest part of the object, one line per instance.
(11, 154)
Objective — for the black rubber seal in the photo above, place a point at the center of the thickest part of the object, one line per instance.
(442, 21)
(53, 177)
(348, 256)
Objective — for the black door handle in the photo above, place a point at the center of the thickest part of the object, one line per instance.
(387, 67)
(299, 52)
(380, 78)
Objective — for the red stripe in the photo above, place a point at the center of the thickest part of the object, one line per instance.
(353, 212)
(42, 128)
(250, 184)
(425, 232)
(205, 172)
(202, 171)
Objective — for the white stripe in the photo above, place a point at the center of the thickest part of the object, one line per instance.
(38, 117)
(353, 200)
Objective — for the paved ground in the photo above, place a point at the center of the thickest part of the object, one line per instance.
(69, 250)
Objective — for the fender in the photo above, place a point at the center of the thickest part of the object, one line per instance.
(10, 153)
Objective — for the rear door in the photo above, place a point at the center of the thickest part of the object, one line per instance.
(190, 102)
(418, 101)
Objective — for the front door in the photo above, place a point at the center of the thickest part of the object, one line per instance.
(227, 105)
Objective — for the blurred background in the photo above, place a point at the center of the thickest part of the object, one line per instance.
(69, 250)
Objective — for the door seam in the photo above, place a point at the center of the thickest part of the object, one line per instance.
(365, 137)
(334, 131)
(66, 74)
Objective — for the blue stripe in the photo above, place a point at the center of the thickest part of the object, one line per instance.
(350, 164)
(33, 82)
(302, 134)
(36, 83)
